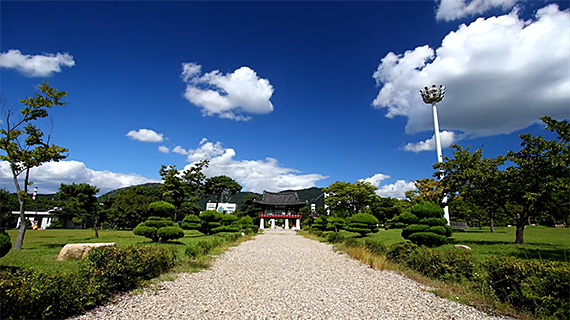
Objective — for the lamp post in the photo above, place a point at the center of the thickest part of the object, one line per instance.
(432, 95)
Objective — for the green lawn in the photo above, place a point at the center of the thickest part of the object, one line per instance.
(41, 247)
(541, 243)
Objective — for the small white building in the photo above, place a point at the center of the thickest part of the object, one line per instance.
(223, 207)
(38, 219)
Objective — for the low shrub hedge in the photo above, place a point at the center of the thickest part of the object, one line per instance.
(5, 244)
(413, 228)
(27, 293)
(375, 246)
(540, 287)
(428, 239)
(335, 237)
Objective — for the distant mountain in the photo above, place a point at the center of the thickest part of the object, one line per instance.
(112, 193)
(311, 195)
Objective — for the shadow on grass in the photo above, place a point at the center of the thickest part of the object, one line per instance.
(538, 251)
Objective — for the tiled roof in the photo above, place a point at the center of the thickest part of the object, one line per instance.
(281, 199)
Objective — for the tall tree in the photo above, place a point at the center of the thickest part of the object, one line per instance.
(345, 198)
(129, 207)
(179, 187)
(25, 145)
(426, 190)
(216, 186)
(80, 201)
(539, 171)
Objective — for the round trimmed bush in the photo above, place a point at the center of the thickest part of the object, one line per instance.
(335, 237)
(438, 230)
(408, 218)
(426, 209)
(228, 219)
(226, 229)
(170, 233)
(434, 221)
(428, 239)
(211, 219)
(5, 244)
(191, 222)
(400, 252)
(158, 222)
(147, 232)
(413, 228)
(363, 223)
(320, 223)
(161, 209)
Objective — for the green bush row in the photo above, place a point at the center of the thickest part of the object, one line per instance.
(28, 293)
(205, 246)
(539, 287)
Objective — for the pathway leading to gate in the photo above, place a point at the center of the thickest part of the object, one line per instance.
(281, 275)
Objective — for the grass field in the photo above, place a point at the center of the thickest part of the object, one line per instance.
(41, 247)
(542, 243)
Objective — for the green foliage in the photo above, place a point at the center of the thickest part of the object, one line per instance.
(375, 246)
(228, 219)
(205, 246)
(335, 224)
(5, 244)
(159, 229)
(189, 208)
(161, 209)
(216, 186)
(180, 187)
(413, 228)
(170, 233)
(399, 252)
(362, 223)
(211, 219)
(246, 223)
(79, 202)
(320, 223)
(191, 222)
(129, 206)
(335, 237)
(347, 198)
(434, 221)
(426, 209)
(229, 228)
(407, 218)
(541, 287)
(31, 294)
(55, 224)
(428, 239)
(441, 230)
(352, 243)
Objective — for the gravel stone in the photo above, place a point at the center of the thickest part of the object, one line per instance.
(281, 275)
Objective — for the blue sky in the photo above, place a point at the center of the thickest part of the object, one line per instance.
(282, 95)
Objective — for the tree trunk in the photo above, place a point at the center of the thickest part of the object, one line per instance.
(22, 230)
(95, 225)
(492, 223)
(520, 231)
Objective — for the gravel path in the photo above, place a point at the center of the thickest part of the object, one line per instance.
(281, 275)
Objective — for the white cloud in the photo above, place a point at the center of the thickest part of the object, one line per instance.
(253, 175)
(449, 10)
(376, 179)
(50, 175)
(227, 96)
(501, 74)
(447, 139)
(36, 65)
(396, 190)
(146, 135)
(164, 149)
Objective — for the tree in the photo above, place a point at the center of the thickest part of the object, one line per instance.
(8, 203)
(210, 221)
(426, 190)
(345, 198)
(25, 145)
(179, 187)
(539, 171)
(250, 207)
(159, 229)
(161, 209)
(384, 208)
(80, 202)
(129, 207)
(362, 223)
(216, 186)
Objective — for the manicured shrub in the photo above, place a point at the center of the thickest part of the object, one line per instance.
(152, 227)
(5, 244)
(407, 218)
(428, 239)
(55, 224)
(170, 233)
(426, 209)
(226, 229)
(434, 221)
(228, 219)
(362, 223)
(161, 209)
(438, 230)
(335, 237)
(375, 246)
(320, 223)
(211, 219)
(194, 250)
(246, 223)
(413, 228)
(540, 287)
(335, 224)
(191, 222)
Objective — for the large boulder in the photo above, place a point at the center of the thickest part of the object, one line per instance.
(80, 250)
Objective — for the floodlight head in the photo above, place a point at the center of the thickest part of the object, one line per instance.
(433, 94)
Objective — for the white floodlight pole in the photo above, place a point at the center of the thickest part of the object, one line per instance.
(432, 95)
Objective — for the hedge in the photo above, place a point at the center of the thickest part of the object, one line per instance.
(5, 244)
(27, 293)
